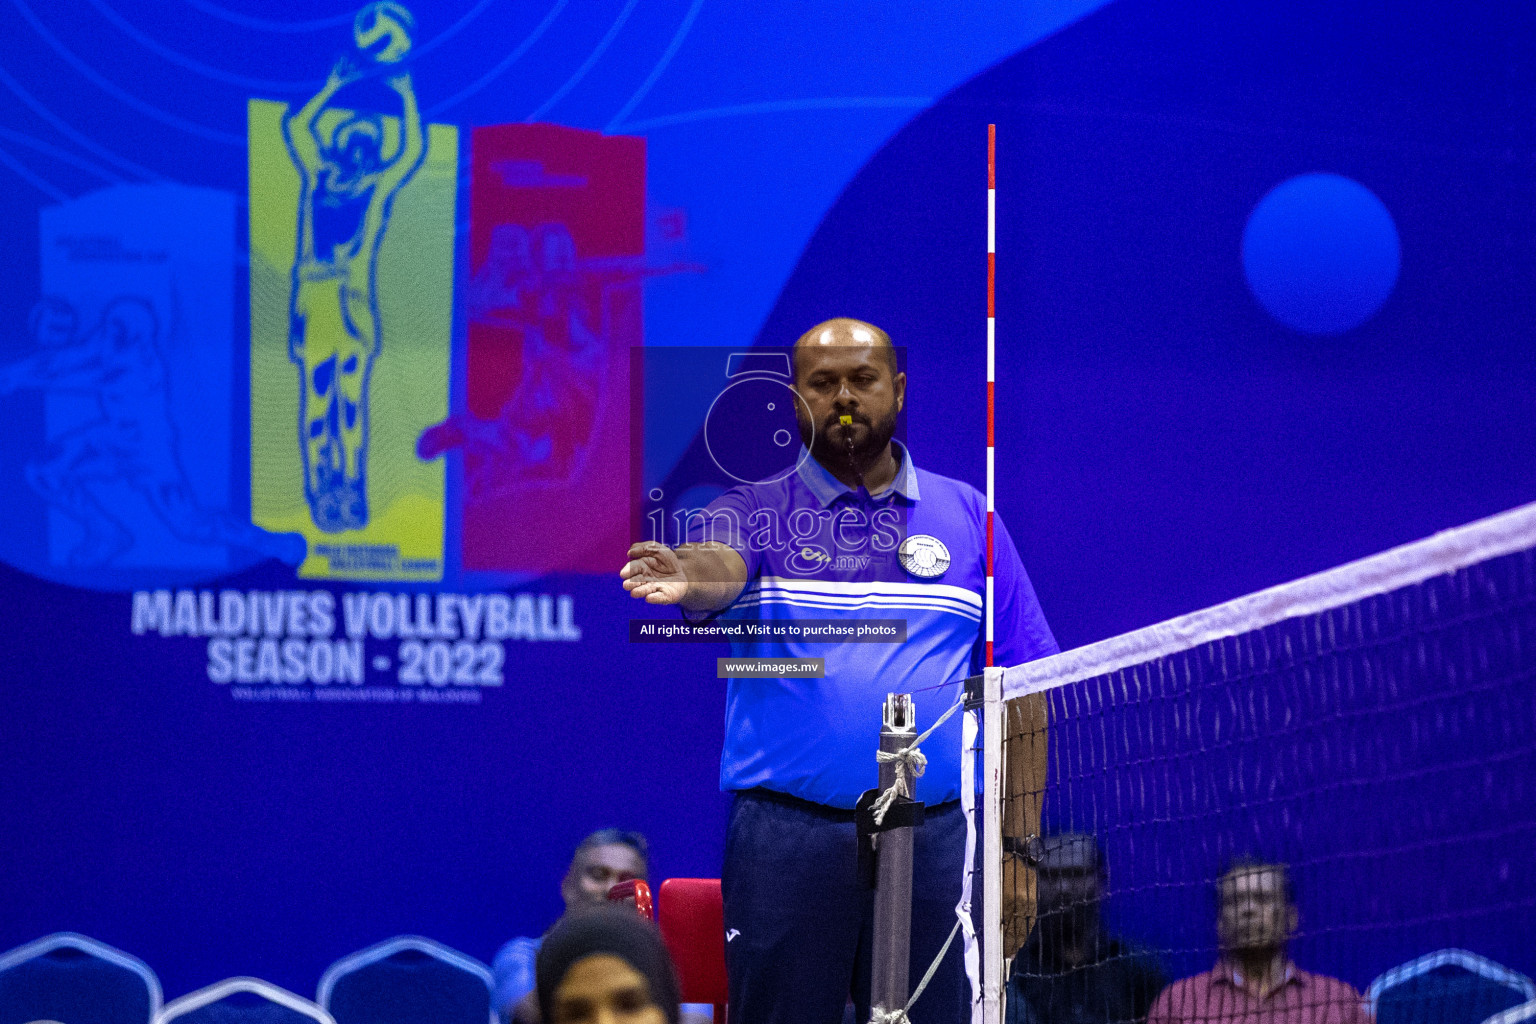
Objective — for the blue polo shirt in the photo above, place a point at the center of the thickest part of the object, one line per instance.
(816, 550)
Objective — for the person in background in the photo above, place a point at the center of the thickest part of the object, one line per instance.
(602, 860)
(1070, 971)
(608, 966)
(1254, 981)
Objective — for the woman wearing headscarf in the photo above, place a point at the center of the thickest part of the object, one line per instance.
(606, 967)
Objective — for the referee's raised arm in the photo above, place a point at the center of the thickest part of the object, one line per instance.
(701, 577)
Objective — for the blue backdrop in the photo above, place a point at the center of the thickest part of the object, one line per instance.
(1264, 293)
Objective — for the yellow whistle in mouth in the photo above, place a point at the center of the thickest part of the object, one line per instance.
(846, 421)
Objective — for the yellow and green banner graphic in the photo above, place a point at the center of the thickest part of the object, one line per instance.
(352, 227)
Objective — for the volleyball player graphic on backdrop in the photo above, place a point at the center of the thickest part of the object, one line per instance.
(347, 186)
(534, 283)
(569, 312)
(118, 363)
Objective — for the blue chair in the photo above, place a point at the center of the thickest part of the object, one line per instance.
(69, 977)
(1451, 986)
(408, 980)
(242, 1001)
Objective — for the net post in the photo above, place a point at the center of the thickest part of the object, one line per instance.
(992, 709)
(891, 941)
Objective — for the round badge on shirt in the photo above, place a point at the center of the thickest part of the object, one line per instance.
(924, 556)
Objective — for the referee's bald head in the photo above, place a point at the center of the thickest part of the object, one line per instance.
(846, 332)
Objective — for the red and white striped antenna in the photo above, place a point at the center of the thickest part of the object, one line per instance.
(988, 1008)
(991, 356)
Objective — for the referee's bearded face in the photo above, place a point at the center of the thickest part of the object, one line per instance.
(847, 368)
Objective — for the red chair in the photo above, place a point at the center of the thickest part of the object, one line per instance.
(692, 920)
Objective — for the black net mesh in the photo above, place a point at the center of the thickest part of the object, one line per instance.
(1372, 767)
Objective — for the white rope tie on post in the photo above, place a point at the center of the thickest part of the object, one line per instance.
(910, 764)
(909, 760)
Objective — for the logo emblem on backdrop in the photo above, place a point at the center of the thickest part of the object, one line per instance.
(924, 556)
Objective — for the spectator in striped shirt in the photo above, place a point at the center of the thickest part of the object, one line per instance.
(1255, 981)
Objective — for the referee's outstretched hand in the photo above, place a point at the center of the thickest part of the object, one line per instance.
(654, 573)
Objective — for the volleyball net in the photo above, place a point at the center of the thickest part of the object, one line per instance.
(1371, 729)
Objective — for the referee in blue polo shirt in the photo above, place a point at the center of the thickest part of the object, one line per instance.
(856, 531)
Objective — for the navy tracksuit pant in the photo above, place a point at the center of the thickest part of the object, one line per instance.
(798, 923)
